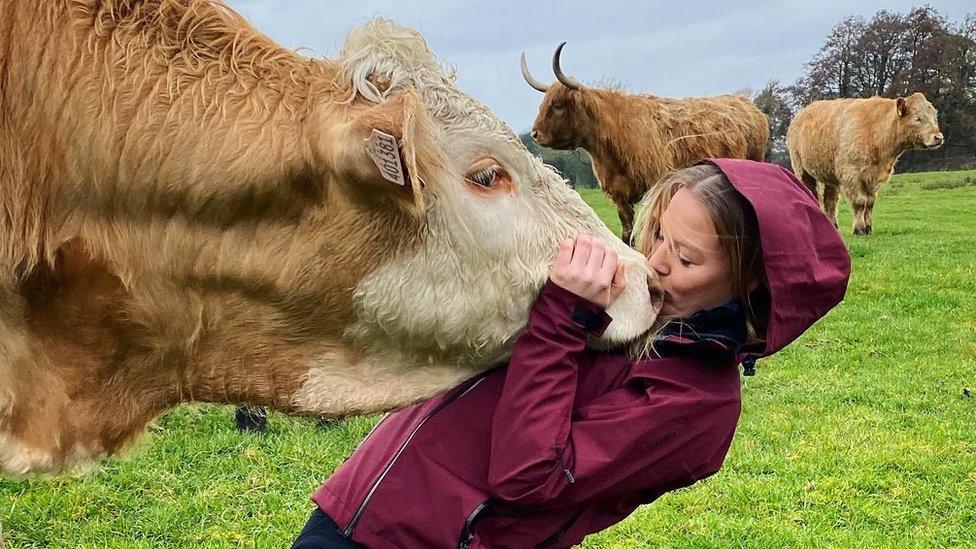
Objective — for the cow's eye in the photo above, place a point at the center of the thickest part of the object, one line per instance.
(486, 177)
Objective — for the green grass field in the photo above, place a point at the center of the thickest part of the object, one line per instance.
(861, 434)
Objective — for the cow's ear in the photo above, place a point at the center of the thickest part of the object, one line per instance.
(402, 121)
(902, 106)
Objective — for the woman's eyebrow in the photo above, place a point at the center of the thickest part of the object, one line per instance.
(676, 242)
(688, 247)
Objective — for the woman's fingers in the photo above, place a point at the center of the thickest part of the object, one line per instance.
(608, 266)
(581, 252)
(564, 255)
(589, 268)
(594, 264)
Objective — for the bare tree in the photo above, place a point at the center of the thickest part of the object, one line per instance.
(831, 73)
(882, 48)
(774, 101)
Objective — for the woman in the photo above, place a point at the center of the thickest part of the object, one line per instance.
(566, 441)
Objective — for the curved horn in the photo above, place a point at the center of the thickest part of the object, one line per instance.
(530, 79)
(567, 80)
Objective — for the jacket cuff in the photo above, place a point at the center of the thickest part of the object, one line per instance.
(580, 311)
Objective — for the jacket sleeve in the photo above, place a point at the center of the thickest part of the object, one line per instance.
(649, 436)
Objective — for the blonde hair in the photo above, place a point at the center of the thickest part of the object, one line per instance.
(734, 221)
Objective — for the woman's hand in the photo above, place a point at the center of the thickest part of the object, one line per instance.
(587, 268)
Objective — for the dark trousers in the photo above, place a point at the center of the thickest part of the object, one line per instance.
(321, 532)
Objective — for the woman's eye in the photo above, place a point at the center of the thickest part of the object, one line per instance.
(657, 236)
(486, 177)
(684, 262)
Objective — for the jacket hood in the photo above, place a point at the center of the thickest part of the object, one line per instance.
(806, 262)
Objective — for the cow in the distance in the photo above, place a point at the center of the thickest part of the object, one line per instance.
(851, 146)
(190, 212)
(634, 139)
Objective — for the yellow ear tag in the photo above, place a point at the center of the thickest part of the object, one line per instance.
(385, 152)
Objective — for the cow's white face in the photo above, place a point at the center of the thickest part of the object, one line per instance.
(492, 234)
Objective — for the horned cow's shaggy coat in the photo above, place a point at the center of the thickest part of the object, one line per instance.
(634, 139)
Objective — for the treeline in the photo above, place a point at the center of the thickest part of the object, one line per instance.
(891, 55)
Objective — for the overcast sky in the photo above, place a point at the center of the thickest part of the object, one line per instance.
(666, 48)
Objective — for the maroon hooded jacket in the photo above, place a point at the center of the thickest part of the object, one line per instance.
(567, 441)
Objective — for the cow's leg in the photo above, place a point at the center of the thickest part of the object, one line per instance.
(831, 197)
(811, 183)
(860, 203)
(869, 214)
(626, 213)
(870, 185)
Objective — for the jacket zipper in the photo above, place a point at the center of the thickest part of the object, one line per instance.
(369, 495)
(467, 531)
(375, 427)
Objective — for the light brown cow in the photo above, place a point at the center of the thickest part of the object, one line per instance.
(188, 213)
(851, 145)
(633, 140)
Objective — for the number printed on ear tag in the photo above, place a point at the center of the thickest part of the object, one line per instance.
(385, 152)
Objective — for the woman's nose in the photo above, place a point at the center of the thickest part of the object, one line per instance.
(658, 261)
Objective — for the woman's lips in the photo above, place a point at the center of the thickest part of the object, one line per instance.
(656, 294)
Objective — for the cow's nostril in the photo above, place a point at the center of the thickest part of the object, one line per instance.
(535, 134)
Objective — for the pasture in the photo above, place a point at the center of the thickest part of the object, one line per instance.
(862, 433)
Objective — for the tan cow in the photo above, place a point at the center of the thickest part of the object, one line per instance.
(633, 140)
(851, 145)
(188, 213)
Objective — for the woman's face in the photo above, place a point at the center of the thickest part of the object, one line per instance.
(694, 273)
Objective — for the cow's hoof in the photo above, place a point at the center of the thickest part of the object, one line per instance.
(862, 231)
(251, 420)
(326, 423)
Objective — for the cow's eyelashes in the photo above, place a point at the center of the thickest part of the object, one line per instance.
(486, 177)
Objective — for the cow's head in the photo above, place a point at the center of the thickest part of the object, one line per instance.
(563, 116)
(492, 215)
(920, 121)
(354, 294)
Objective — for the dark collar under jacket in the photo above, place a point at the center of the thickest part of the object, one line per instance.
(721, 329)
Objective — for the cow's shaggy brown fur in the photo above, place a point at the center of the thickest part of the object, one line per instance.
(851, 146)
(188, 213)
(168, 179)
(634, 139)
